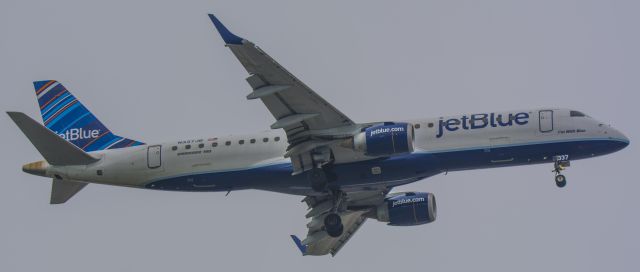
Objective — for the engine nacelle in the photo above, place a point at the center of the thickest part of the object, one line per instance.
(408, 209)
(385, 140)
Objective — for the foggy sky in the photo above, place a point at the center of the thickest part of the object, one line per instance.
(158, 71)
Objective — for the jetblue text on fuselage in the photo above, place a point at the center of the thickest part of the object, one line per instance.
(482, 120)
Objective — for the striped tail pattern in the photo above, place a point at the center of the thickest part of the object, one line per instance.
(66, 116)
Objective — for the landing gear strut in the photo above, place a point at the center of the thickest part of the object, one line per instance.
(558, 166)
(322, 173)
(320, 177)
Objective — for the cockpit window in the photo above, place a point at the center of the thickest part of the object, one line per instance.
(576, 114)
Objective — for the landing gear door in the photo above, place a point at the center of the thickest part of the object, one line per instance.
(546, 120)
(154, 156)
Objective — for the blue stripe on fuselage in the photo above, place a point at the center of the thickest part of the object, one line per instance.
(395, 170)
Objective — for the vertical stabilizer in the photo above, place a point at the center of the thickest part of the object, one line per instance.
(63, 114)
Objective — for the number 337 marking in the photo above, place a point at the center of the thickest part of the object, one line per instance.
(561, 158)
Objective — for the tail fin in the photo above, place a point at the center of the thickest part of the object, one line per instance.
(63, 114)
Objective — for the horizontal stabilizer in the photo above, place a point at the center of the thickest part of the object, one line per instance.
(63, 190)
(53, 148)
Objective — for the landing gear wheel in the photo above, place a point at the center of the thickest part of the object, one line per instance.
(318, 179)
(561, 181)
(333, 225)
(560, 163)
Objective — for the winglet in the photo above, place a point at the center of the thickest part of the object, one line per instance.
(227, 36)
(299, 244)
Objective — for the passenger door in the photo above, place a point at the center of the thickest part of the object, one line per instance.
(154, 156)
(546, 120)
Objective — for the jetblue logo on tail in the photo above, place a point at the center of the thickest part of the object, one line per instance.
(72, 121)
(482, 120)
(80, 134)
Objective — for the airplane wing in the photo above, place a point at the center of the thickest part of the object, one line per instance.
(358, 206)
(304, 115)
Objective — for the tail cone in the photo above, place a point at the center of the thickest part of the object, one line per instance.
(38, 168)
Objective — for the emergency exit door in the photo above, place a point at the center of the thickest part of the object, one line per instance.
(546, 120)
(154, 156)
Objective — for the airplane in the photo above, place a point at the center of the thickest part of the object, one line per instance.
(344, 170)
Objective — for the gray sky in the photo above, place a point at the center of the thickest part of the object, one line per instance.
(157, 70)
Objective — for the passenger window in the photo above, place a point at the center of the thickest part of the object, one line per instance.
(276, 139)
(227, 143)
(416, 126)
(201, 145)
(187, 146)
(241, 142)
(253, 141)
(174, 148)
(214, 144)
(576, 114)
(430, 125)
(265, 140)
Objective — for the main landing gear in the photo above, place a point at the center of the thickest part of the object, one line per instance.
(332, 221)
(322, 173)
(558, 166)
(321, 179)
(318, 179)
(333, 225)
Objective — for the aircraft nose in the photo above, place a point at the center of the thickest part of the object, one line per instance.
(625, 139)
(619, 136)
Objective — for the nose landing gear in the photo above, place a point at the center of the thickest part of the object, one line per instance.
(559, 165)
(561, 181)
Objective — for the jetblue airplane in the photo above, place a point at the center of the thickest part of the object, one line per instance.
(345, 170)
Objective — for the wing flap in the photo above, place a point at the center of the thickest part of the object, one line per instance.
(348, 233)
(319, 243)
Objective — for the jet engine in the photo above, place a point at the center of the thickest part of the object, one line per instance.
(385, 140)
(408, 209)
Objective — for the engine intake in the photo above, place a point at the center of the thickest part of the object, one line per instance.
(385, 140)
(408, 209)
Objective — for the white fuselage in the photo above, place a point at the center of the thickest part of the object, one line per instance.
(445, 143)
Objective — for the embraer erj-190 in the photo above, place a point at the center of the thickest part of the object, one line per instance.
(345, 170)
